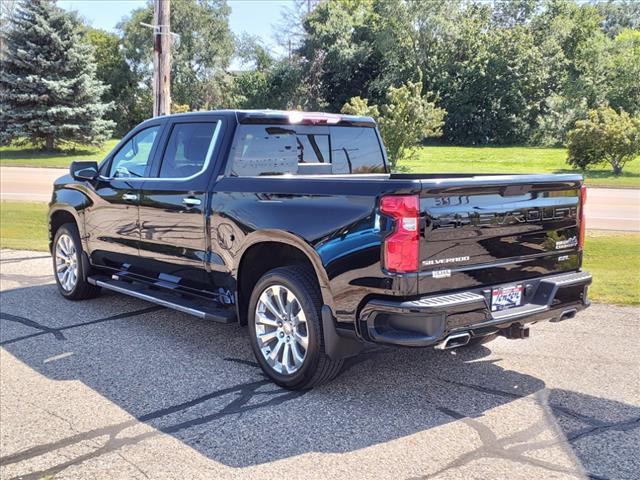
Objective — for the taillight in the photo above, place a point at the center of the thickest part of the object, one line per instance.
(401, 246)
(583, 201)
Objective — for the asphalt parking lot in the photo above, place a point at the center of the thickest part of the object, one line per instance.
(118, 388)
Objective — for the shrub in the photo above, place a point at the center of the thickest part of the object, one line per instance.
(606, 136)
(404, 120)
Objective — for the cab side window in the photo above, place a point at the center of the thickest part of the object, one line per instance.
(132, 159)
(189, 149)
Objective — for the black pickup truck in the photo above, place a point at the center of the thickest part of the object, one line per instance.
(291, 223)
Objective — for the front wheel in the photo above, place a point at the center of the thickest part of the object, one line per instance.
(285, 329)
(68, 268)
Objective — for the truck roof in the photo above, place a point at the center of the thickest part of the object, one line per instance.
(286, 117)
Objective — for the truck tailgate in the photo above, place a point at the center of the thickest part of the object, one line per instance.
(489, 230)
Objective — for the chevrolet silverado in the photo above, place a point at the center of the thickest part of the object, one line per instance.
(291, 223)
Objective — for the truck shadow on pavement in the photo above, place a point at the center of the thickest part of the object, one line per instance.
(199, 383)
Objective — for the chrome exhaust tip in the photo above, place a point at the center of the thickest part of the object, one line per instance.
(454, 341)
(566, 315)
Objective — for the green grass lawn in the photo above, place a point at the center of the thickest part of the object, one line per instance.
(445, 159)
(28, 157)
(614, 261)
(612, 258)
(431, 159)
(23, 225)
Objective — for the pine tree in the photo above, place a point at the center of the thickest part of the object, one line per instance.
(49, 92)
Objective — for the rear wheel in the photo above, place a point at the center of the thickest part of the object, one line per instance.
(68, 268)
(286, 330)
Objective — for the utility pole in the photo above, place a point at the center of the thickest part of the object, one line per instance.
(161, 58)
(163, 38)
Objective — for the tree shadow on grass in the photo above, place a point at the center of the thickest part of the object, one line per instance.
(602, 174)
(37, 154)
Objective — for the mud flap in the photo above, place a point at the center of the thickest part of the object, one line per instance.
(338, 346)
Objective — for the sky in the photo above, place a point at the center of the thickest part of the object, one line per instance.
(252, 16)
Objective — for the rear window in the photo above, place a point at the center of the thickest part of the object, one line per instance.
(305, 150)
(188, 150)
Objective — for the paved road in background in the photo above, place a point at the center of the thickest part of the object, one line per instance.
(118, 388)
(607, 208)
(28, 184)
(613, 209)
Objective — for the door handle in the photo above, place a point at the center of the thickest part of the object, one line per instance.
(191, 202)
(130, 196)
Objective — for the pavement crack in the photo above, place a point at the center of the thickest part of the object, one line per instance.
(624, 426)
(493, 447)
(512, 449)
(58, 335)
(43, 449)
(134, 465)
(597, 425)
(53, 414)
(238, 405)
(243, 394)
(57, 332)
(480, 388)
(198, 400)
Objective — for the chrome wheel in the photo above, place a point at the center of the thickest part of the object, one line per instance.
(66, 262)
(281, 329)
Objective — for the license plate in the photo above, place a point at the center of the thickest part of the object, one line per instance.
(506, 297)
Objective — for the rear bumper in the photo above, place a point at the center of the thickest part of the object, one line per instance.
(427, 321)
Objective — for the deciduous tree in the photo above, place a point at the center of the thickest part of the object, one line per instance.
(623, 72)
(405, 119)
(198, 66)
(130, 105)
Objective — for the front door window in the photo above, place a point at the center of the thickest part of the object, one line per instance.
(132, 159)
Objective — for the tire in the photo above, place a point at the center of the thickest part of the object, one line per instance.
(300, 290)
(67, 256)
(481, 340)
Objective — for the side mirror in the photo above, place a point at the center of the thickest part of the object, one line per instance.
(84, 170)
